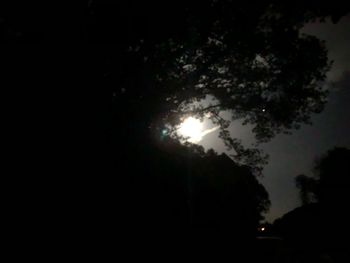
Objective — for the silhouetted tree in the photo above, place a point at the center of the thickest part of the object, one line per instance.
(200, 194)
(307, 187)
(247, 59)
(260, 69)
(333, 173)
(331, 179)
(322, 223)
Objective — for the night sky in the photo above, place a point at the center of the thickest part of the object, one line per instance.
(93, 96)
(291, 155)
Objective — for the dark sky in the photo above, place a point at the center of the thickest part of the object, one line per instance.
(291, 155)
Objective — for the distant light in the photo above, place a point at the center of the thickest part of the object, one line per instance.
(263, 229)
(263, 110)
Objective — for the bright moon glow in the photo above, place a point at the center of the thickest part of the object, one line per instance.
(191, 128)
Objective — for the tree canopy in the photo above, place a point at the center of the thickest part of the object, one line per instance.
(222, 56)
(322, 220)
(331, 178)
(185, 189)
(160, 61)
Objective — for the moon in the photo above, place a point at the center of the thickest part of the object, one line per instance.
(191, 128)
